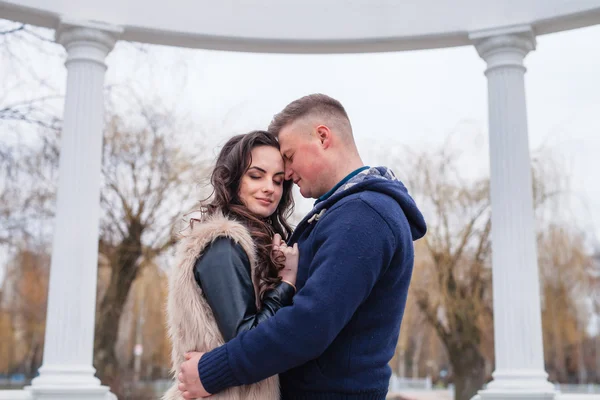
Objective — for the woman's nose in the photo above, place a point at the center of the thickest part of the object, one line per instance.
(268, 188)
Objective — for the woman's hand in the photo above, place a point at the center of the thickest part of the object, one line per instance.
(291, 254)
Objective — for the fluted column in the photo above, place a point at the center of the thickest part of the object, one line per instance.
(67, 371)
(519, 372)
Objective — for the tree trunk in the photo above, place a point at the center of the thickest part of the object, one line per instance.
(124, 271)
(469, 372)
(582, 373)
(559, 354)
(597, 340)
(416, 357)
(401, 364)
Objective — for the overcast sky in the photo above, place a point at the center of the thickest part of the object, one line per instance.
(393, 99)
(411, 98)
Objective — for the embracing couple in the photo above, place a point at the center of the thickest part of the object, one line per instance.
(258, 312)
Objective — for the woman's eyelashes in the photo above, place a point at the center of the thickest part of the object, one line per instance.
(277, 182)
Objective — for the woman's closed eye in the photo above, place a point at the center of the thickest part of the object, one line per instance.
(277, 182)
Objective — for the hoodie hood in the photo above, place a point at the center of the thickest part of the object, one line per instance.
(383, 180)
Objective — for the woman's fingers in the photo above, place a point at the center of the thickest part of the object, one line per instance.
(285, 249)
(276, 239)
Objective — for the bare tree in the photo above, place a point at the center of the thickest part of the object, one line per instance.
(29, 106)
(595, 280)
(27, 190)
(26, 285)
(149, 173)
(150, 178)
(28, 51)
(143, 323)
(452, 278)
(452, 284)
(567, 283)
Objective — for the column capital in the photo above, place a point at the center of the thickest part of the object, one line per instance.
(505, 47)
(87, 40)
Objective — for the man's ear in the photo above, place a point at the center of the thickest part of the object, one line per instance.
(324, 135)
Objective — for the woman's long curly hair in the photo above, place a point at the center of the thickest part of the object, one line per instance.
(232, 163)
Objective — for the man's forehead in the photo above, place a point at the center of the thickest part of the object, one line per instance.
(291, 134)
(286, 139)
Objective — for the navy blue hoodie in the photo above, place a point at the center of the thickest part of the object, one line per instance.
(335, 341)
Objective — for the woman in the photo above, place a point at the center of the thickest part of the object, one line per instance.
(232, 271)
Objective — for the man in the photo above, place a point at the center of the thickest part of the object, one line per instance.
(356, 260)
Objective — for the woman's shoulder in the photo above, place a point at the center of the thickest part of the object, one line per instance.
(218, 225)
(200, 233)
(215, 237)
(224, 248)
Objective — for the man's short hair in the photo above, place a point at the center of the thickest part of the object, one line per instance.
(317, 104)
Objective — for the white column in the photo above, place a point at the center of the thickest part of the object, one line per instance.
(519, 372)
(67, 371)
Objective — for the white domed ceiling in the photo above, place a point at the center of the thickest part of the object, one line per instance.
(308, 26)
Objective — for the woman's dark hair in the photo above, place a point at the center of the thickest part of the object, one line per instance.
(232, 163)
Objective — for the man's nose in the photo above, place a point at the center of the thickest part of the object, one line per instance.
(288, 173)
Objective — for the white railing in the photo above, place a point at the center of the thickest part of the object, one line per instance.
(578, 389)
(15, 395)
(397, 383)
(577, 396)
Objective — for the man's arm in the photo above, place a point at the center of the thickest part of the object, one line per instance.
(354, 244)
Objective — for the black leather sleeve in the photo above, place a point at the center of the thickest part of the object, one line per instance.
(223, 273)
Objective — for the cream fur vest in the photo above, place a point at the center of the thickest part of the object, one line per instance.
(190, 321)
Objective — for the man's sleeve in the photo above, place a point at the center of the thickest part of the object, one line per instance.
(354, 245)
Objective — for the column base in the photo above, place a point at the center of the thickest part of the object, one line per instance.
(72, 382)
(15, 395)
(70, 393)
(66, 375)
(517, 385)
(29, 393)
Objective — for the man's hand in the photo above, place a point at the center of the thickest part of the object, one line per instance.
(189, 379)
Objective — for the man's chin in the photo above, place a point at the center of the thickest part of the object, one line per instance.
(308, 195)
(303, 192)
